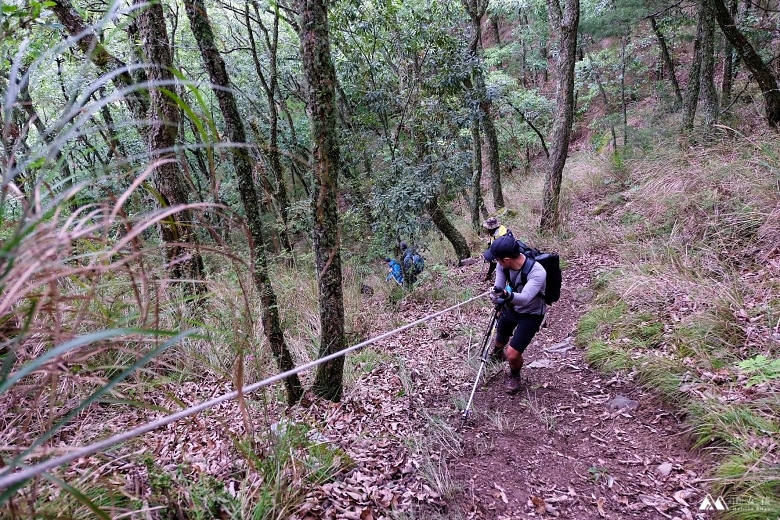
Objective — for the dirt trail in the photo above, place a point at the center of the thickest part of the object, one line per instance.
(559, 449)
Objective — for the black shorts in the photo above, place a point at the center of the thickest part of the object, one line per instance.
(525, 326)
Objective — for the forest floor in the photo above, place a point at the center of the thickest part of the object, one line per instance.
(574, 443)
(562, 447)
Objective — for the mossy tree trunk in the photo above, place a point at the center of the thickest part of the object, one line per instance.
(215, 65)
(157, 117)
(709, 95)
(476, 11)
(476, 181)
(321, 94)
(668, 62)
(760, 70)
(446, 227)
(727, 82)
(270, 84)
(163, 125)
(563, 23)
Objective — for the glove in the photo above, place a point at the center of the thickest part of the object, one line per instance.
(500, 298)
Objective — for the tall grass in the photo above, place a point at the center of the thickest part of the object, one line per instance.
(91, 325)
(696, 245)
(89, 317)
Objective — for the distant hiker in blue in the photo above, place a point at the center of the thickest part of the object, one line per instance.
(413, 264)
(396, 272)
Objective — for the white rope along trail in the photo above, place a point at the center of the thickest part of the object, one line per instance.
(8, 479)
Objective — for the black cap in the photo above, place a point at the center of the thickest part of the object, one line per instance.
(503, 247)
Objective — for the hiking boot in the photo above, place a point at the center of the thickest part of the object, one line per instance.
(513, 383)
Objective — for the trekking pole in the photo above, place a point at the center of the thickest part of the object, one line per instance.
(484, 356)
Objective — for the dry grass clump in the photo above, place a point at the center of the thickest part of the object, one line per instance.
(693, 310)
(80, 309)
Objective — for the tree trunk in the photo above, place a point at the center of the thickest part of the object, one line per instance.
(114, 143)
(709, 96)
(476, 10)
(270, 86)
(321, 83)
(623, 103)
(201, 29)
(563, 25)
(452, 234)
(25, 102)
(160, 134)
(605, 100)
(135, 98)
(667, 61)
(476, 182)
(163, 121)
(761, 72)
(727, 82)
(694, 77)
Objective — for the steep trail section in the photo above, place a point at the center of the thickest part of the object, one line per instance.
(563, 447)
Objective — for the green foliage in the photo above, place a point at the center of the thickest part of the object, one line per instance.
(297, 460)
(402, 70)
(618, 18)
(760, 369)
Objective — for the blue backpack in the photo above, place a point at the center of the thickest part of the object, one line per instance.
(419, 263)
(414, 262)
(396, 273)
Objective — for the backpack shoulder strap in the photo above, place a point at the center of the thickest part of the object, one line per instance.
(527, 266)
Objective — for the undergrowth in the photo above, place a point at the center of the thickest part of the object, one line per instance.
(690, 309)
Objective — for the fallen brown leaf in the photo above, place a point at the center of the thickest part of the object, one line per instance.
(600, 506)
(539, 504)
(502, 493)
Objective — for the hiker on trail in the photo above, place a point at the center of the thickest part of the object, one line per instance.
(494, 229)
(413, 264)
(519, 286)
(396, 273)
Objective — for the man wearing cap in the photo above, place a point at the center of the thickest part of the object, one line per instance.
(523, 304)
(494, 230)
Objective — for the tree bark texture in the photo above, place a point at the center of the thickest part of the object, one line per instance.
(709, 95)
(151, 110)
(135, 98)
(184, 260)
(604, 99)
(321, 94)
(25, 102)
(452, 234)
(476, 11)
(761, 72)
(623, 102)
(727, 81)
(563, 24)
(271, 88)
(215, 65)
(667, 57)
(476, 181)
(694, 78)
